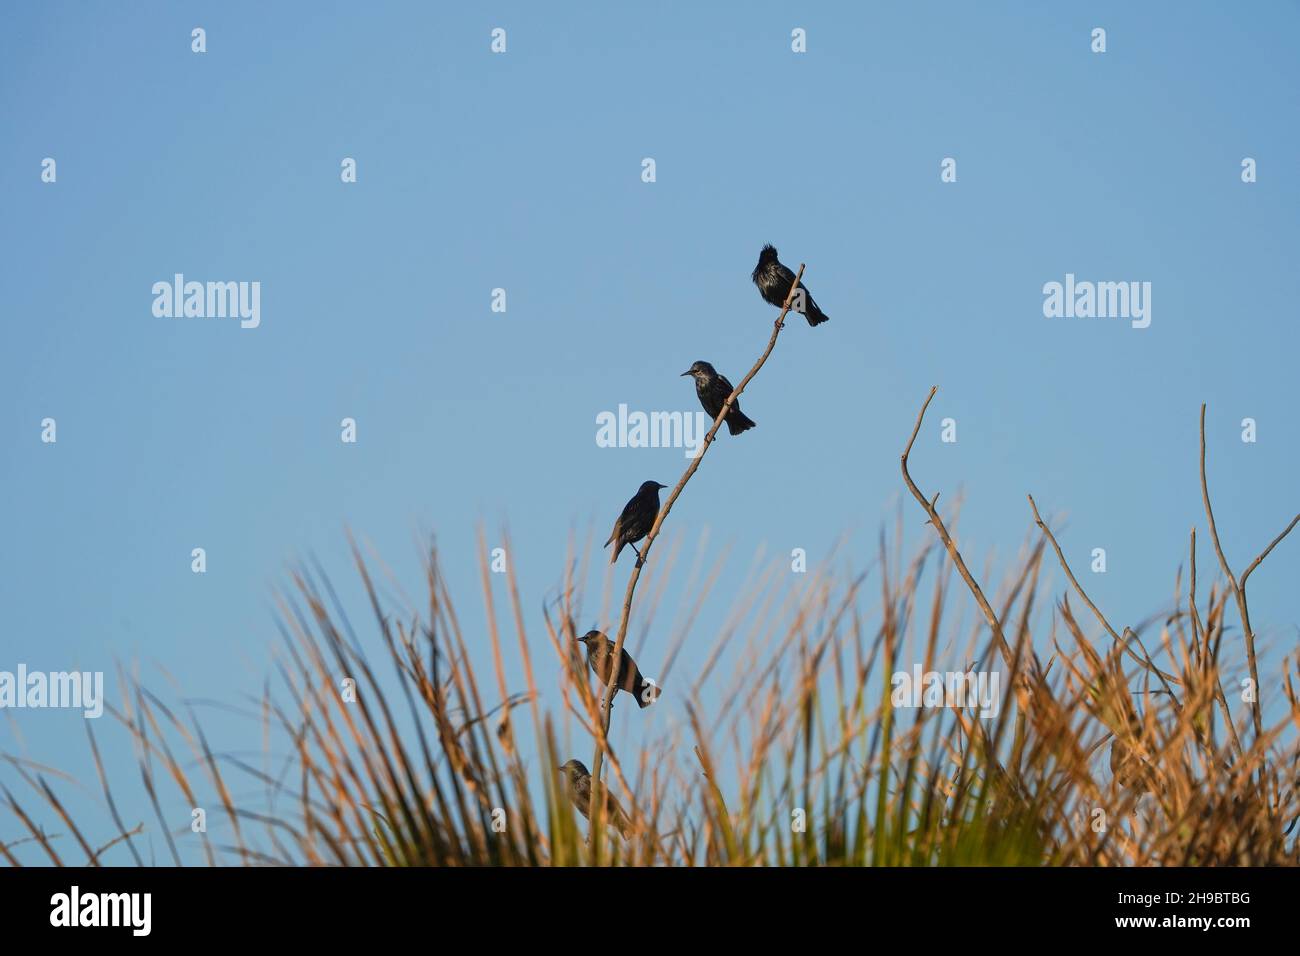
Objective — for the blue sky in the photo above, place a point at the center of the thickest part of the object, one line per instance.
(523, 171)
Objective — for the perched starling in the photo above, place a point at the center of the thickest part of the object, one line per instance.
(774, 280)
(600, 651)
(578, 779)
(713, 390)
(637, 519)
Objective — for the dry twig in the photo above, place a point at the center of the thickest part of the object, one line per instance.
(1239, 587)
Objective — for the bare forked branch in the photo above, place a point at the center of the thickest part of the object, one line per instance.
(1239, 587)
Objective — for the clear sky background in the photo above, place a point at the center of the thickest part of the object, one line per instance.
(523, 171)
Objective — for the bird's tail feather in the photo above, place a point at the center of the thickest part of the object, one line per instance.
(738, 422)
(646, 694)
(815, 316)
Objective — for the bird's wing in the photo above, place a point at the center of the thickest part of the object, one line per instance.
(627, 515)
(627, 668)
(621, 819)
(725, 387)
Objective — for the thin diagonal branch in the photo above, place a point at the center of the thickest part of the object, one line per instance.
(929, 505)
(1264, 554)
(597, 802)
(1122, 641)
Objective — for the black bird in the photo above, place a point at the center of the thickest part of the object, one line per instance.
(600, 651)
(578, 781)
(713, 389)
(774, 281)
(637, 519)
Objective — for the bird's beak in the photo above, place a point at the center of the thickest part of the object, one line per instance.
(685, 374)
